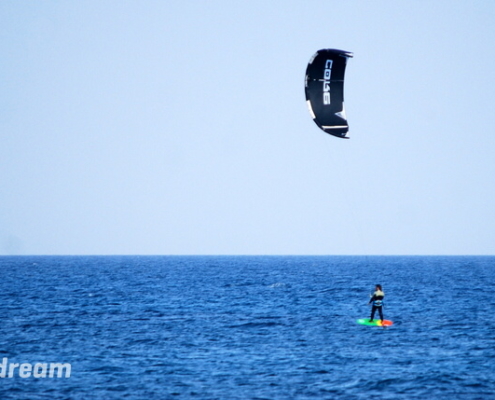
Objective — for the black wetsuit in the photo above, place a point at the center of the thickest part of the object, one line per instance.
(377, 301)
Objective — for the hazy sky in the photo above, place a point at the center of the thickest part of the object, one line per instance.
(180, 127)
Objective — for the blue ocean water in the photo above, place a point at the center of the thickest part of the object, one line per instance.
(249, 327)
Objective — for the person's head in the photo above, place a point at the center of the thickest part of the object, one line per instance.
(378, 287)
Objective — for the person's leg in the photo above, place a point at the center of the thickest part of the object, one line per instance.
(380, 311)
(373, 309)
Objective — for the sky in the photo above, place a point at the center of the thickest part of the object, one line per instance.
(181, 127)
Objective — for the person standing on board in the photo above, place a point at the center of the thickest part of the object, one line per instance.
(377, 300)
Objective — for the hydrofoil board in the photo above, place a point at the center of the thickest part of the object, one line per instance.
(375, 322)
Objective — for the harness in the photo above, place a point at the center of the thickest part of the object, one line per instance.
(378, 299)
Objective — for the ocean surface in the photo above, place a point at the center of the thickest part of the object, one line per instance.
(236, 327)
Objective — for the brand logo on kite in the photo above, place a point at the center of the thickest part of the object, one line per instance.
(326, 82)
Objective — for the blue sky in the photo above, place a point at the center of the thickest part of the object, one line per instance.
(172, 127)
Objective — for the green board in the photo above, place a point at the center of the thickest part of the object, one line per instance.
(376, 322)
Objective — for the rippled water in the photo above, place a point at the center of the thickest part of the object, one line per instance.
(249, 327)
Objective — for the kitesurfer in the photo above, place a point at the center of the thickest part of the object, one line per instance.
(377, 300)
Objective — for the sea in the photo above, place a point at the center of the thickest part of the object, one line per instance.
(246, 327)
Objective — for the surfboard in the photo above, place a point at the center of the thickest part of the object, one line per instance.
(376, 322)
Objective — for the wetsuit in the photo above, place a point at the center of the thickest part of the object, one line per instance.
(377, 300)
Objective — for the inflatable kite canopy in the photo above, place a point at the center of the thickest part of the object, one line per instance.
(325, 90)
